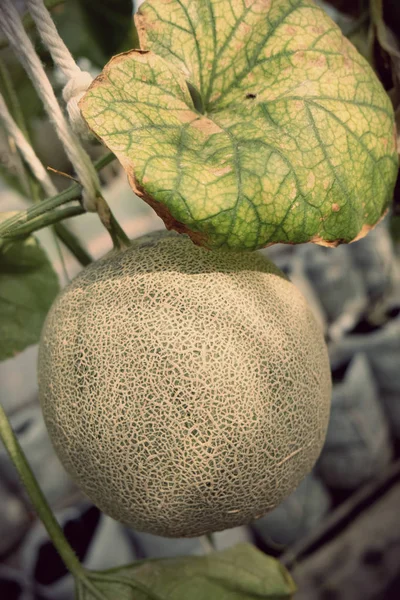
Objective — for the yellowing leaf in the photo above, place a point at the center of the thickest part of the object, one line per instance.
(249, 122)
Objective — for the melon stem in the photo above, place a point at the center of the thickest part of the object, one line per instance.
(119, 238)
(207, 543)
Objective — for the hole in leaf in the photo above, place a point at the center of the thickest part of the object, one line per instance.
(251, 96)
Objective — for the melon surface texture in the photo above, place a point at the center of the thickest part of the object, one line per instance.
(185, 391)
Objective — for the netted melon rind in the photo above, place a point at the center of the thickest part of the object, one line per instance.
(185, 391)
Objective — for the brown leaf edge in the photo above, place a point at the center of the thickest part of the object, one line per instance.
(142, 26)
(128, 165)
(198, 238)
(365, 229)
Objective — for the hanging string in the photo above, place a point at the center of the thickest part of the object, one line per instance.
(26, 149)
(30, 157)
(78, 81)
(12, 27)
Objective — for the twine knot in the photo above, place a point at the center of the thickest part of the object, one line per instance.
(72, 93)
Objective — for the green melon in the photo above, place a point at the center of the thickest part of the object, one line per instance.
(185, 391)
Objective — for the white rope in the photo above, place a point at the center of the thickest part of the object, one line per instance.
(78, 80)
(73, 91)
(26, 149)
(58, 50)
(34, 163)
(12, 27)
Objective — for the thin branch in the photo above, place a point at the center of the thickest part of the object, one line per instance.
(36, 190)
(36, 496)
(49, 218)
(119, 238)
(72, 193)
(70, 240)
(42, 508)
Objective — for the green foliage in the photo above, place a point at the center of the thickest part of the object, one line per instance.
(28, 286)
(249, 123)
(239, 573)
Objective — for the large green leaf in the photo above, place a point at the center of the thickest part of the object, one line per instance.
(250, 122)
(28, 286)
(239, 573)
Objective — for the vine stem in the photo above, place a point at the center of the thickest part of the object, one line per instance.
(73, 244)
(36, 189)
(45, 213)
(37, 498)
(119, 238)
(35, 184)
(50, 218)
(9, 227)
(207, 543)
(43, 509)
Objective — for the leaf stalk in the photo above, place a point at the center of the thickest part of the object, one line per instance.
(10, 228)
(36, 496)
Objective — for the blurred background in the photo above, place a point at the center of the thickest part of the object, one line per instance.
(339, 532)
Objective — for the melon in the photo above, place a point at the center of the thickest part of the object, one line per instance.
(185, 391)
